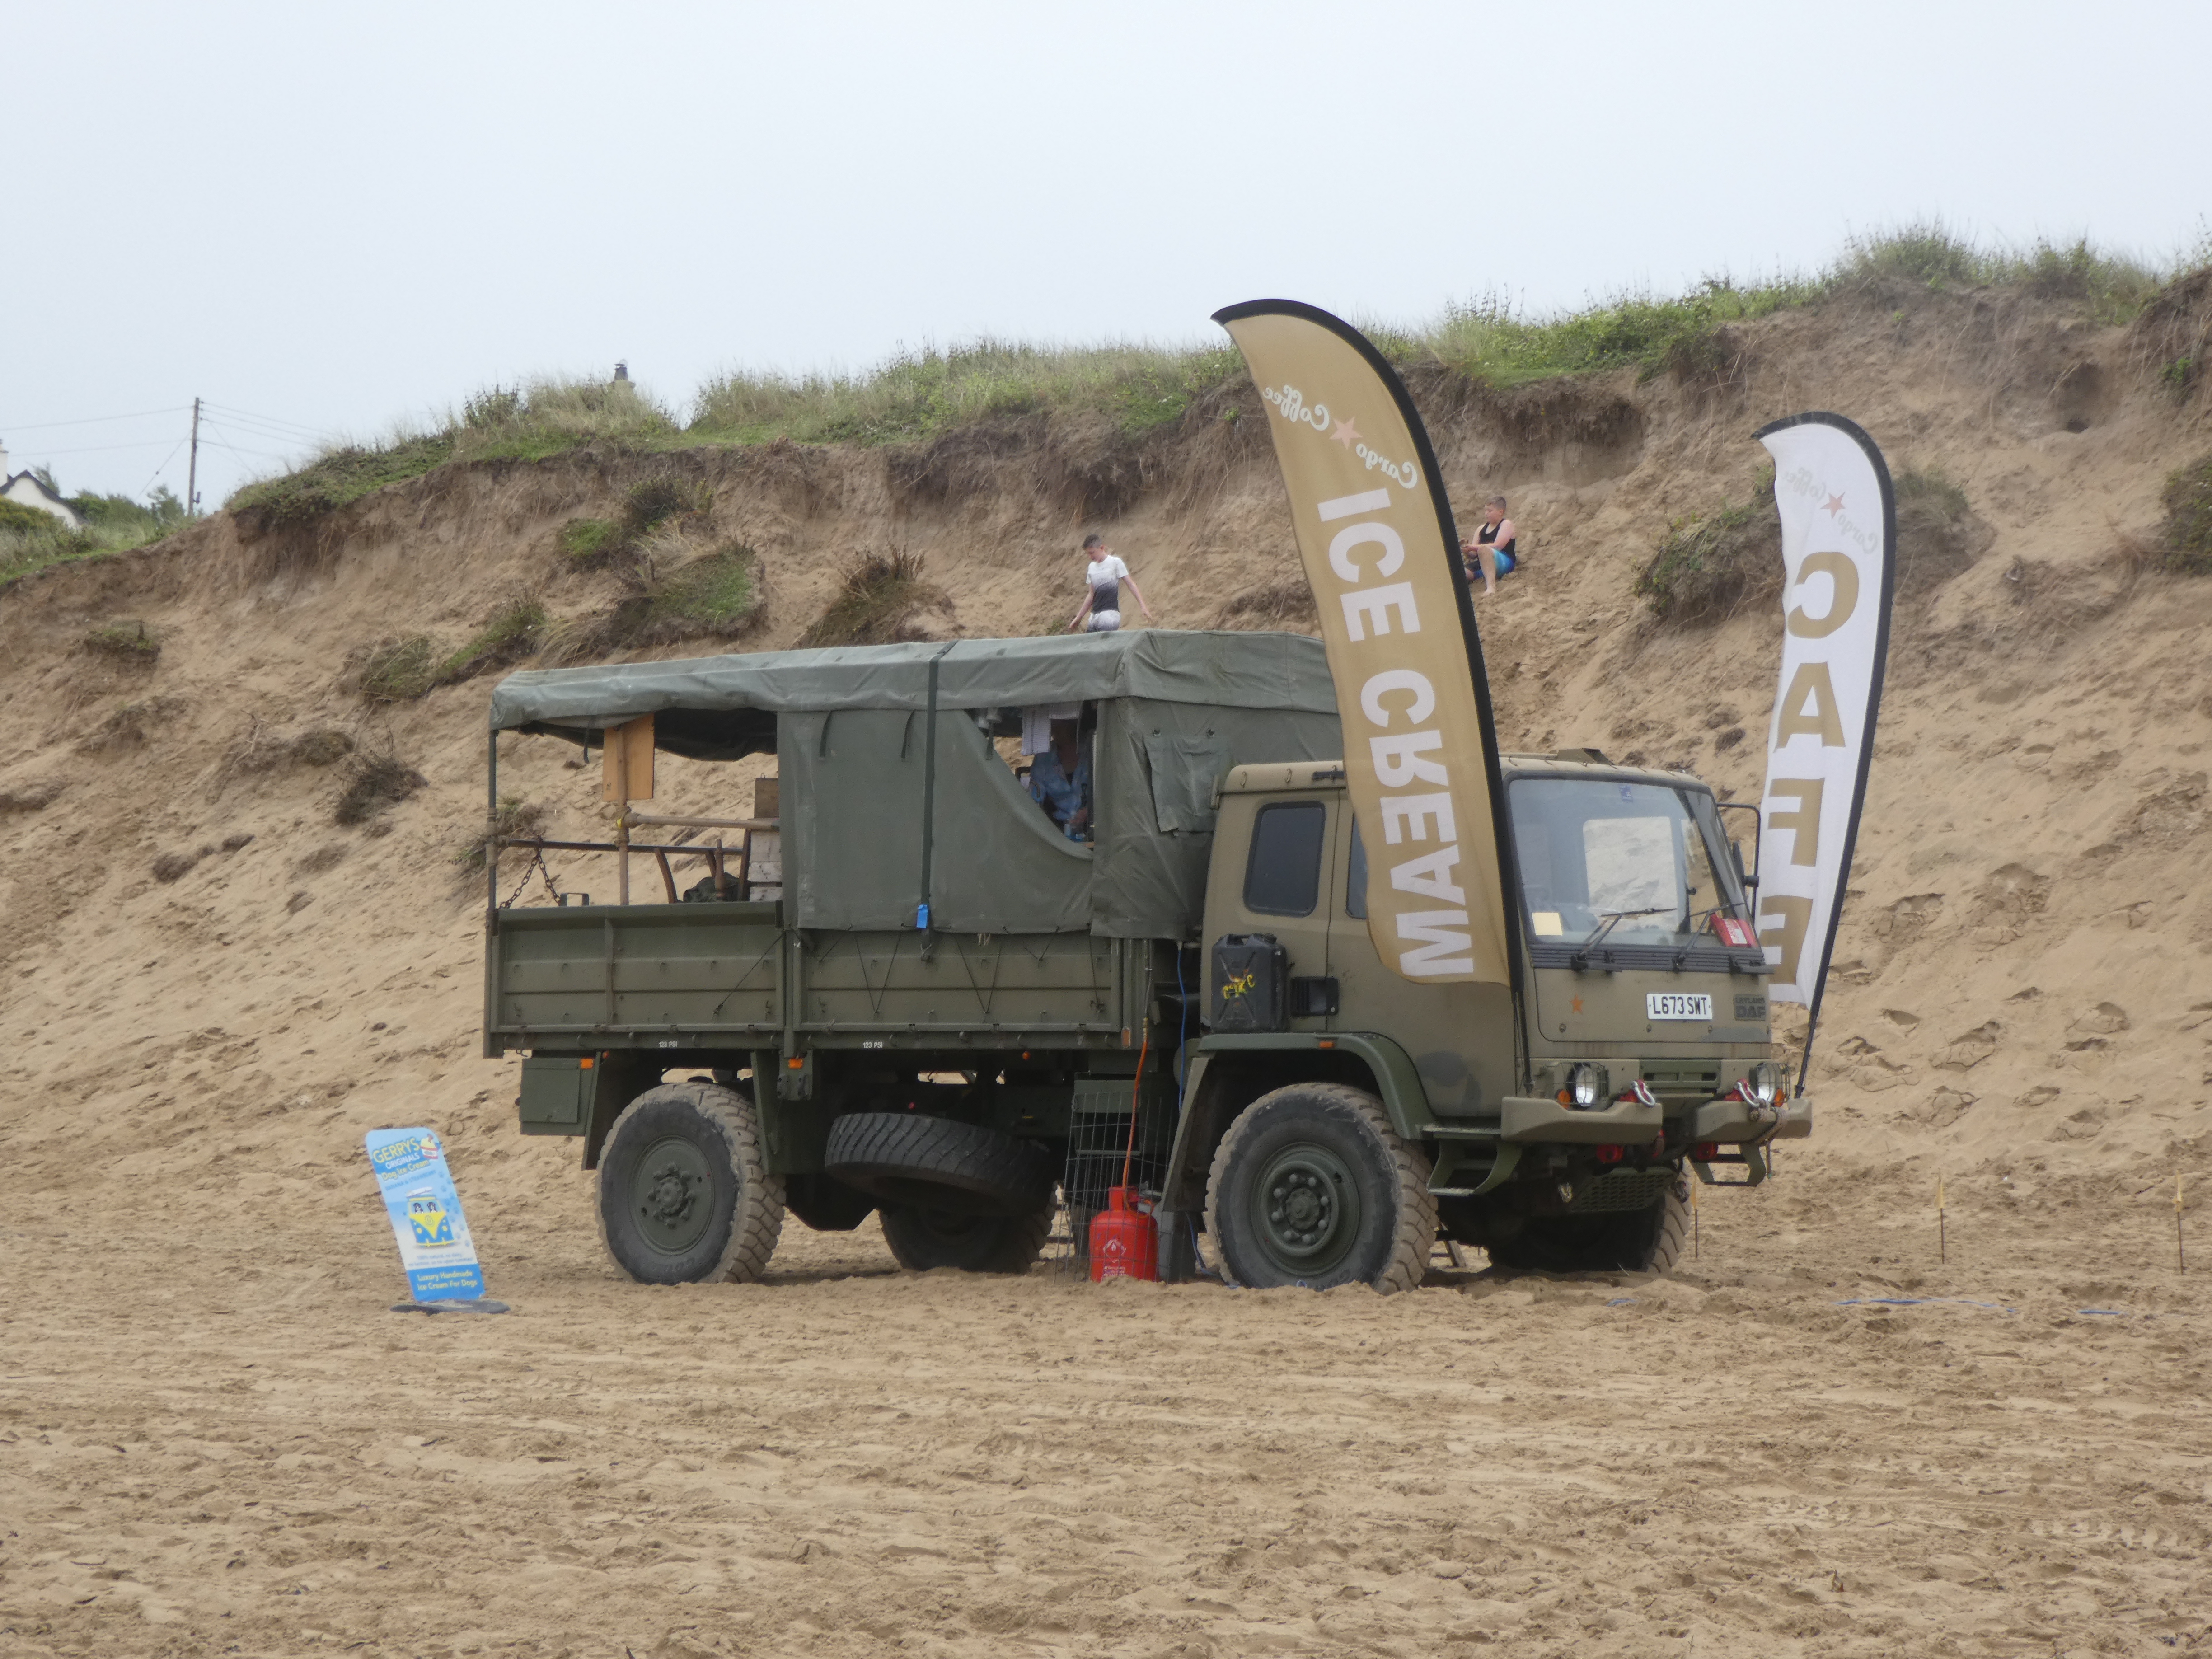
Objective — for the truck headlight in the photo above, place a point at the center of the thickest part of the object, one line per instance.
(1585, 1087)
(1763, 1083)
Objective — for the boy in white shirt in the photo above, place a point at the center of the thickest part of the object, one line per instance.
(1103, 604)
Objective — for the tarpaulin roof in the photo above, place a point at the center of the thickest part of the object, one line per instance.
(1285, 671)
(863, 784)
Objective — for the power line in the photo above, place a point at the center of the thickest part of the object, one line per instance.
(272, 420)
(275, 433)
(93, 420)
(158, 471)
(97, 449)
(264, 454)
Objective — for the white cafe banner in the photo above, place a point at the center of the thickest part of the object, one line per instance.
(1838, 541)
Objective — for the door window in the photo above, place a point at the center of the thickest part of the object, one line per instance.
(1282, 872)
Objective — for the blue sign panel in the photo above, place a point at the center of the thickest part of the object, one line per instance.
(435, 1246)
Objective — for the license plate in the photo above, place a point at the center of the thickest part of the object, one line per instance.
(1677, 1005)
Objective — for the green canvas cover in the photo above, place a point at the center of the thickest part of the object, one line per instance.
(850, 728)
(1156, 765)
(853, 793)
(1222, 670)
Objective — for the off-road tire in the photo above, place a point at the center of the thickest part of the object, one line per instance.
(1650, 1240)
(922, 1239)
(918, 1162)
(683, 1197)
(1331, 1149)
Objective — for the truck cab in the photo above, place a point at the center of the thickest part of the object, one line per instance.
(1556, 1118)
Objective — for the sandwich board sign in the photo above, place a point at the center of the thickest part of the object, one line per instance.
(425, 1210)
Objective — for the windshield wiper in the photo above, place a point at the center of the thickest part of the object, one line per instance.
(1581, 958)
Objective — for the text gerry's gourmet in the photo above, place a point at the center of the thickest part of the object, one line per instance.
(1375, 534)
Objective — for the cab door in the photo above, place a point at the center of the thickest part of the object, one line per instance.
(1281, 885)
(1460, 1037)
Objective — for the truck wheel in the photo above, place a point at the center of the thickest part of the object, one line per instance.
(1312, 1187)
(683, 1194)
(923, 1238)
(1650, 1240)
(921, 1161)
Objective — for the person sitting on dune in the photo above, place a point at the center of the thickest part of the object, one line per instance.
(1493, 548)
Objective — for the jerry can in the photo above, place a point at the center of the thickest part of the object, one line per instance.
(1125, 1240)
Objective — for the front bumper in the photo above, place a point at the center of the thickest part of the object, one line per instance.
(1731, 1122)
(1617, 1124)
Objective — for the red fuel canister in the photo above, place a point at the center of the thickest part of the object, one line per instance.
(1125, 1240)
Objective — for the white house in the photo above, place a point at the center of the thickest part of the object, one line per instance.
(28, 490)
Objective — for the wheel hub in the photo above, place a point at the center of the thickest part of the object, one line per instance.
(1308, 1209)
(670, 1195)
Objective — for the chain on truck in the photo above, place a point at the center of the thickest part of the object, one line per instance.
(898, 988)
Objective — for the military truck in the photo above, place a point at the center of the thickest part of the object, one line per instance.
(945, 1009)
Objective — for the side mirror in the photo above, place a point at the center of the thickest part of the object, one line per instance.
(1745, 877)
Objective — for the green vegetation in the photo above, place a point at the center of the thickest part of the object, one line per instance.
(512, 631)
(31, 540)
(1932, 491)
(2185, 541)
(1711, 565)
(657, 500)
(551, 417)
(404, 670)
(877, 597)
(918, 395)
(400, 670)
(1133, 390)
(1938, 535)
(1930, 255)
(125, 641)
(588, 539)
(713, 596)
(1487, 341)
(335, 479)
(647, 507)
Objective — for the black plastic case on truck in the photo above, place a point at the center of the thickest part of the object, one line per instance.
(1249, 972)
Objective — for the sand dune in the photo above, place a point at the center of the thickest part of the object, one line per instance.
(1817, 1439)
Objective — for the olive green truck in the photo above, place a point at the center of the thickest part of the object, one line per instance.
(916, 994)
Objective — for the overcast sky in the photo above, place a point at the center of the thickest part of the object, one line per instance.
(327, 220)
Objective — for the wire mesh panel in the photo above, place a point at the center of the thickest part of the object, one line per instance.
(1100, 1146)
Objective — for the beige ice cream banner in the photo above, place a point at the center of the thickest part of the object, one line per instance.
(1375, 534)
(1838, 528)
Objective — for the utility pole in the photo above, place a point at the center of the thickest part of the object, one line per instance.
(192, 467)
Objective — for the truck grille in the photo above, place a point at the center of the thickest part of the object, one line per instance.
(1674, 1082)
(1623, 1190)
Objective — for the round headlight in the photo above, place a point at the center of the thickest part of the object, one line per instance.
(1586, 1084)
(1764, 1082)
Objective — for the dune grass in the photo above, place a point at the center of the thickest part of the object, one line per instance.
(2185, 539)
(1136, 388)
(31, 540)
(919, 394)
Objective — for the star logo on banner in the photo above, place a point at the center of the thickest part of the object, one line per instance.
(1346, 434)
(1833, 506)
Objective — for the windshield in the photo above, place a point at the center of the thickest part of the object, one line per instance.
(1649, 860)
